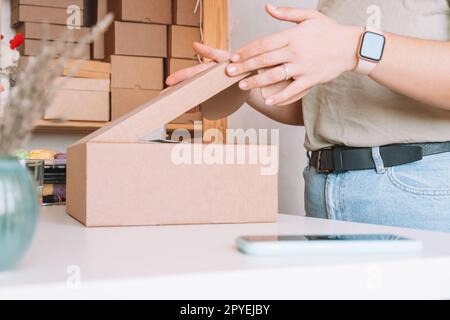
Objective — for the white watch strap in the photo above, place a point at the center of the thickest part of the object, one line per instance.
(366, 67)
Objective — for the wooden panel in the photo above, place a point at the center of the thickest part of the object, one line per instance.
(215, 26)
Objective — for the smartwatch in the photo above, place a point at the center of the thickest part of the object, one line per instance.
(370, 51)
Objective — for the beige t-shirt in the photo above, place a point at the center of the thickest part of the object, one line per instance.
(354, 110)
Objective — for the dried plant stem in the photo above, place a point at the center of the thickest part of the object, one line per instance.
(36, 87)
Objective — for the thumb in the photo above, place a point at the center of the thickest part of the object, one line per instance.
(291, 14)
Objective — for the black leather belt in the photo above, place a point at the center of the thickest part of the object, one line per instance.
(341, 159)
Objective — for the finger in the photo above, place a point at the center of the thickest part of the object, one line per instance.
(265, 60)
(296, 98)
(184, 74)
(267, 78)
(211, 53)
(291, 14)
(258, 47)
(300, 85)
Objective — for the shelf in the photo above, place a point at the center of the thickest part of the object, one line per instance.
(86, 127)
(81, 127)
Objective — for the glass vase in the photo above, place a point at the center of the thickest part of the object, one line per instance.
(18, 212)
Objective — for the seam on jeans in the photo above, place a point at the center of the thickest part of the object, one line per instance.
(328, 197)
(342, 192)
(414, 190)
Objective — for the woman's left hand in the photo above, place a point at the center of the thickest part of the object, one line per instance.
(315, 51)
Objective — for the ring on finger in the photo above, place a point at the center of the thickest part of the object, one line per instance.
(287, 72)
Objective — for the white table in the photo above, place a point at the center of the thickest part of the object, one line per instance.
(67, 260)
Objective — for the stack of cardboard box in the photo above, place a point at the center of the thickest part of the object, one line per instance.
(136, 45)
(28, 16)
(184, 31)
(85, 85)
(149, 40)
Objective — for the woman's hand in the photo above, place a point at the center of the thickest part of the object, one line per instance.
(315, 51)
(215, 55)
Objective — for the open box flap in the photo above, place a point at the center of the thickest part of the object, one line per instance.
(225, 103)
(134, 126)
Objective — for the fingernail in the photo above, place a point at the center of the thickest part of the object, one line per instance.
(272, 7)
(235, 58)
(269, 102)
(231, 69)
(243, 85)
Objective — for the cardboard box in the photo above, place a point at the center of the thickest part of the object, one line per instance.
(34, 47)
(115, 178)
(84, 68)
(147, 11)
(25, 13)
(98, 47)
(37, 31)
(124, 101)
(81, 100)
(137, 73)
(49, 3)
(136, 39)
(174, 65)
(181, 39)
(184, 13)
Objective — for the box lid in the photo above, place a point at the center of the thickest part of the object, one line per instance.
(174, 102)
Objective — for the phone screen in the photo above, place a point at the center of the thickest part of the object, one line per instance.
(362, 237)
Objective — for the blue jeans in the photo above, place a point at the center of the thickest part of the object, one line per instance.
(415, 195)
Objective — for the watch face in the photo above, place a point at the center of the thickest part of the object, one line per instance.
(372, 47)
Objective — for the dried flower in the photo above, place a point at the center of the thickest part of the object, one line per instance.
(36, 87)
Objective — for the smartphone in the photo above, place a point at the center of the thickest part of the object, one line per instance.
(285, 245)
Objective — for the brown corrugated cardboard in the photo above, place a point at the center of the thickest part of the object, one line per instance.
(175, 65)
(136, 39)
(126, 100)
(24, 13)
(181, 39)
(98, 47)
(147, 11)
(49, 3)
(34, 47)
(184, 13)
(117, 179)
(137, 73)
(84, 68)
(32, 30)
(81, 100)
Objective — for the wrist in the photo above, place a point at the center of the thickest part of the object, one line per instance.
(351, 40)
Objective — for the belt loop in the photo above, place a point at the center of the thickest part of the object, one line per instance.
(309, 156)
(378, 160)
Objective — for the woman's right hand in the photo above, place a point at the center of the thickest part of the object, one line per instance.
(215, 55)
